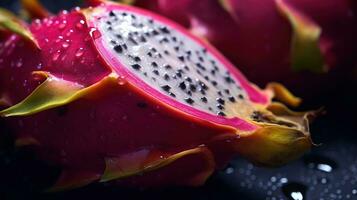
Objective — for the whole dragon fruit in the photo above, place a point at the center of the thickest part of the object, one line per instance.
(116, 93)
(292, 41)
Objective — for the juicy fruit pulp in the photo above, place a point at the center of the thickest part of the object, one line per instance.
(117, 93)
(171, 63)
(295, 42)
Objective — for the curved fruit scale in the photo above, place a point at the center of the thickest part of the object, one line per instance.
(295, 42)
(116, 93)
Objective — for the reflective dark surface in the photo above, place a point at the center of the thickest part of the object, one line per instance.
(329, 171)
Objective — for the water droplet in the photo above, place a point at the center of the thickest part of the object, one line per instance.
(354, 191)
(56, 55)
(320, 163)
(229, 170)
(66, 44)
(80, 24)
(79, 52)
(19, 63)
(63, 25)
(294, 191)
(69, 33)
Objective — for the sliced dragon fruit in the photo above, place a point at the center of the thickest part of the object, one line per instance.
(116, 93)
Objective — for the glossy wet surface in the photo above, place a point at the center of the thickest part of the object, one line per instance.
(328, 172)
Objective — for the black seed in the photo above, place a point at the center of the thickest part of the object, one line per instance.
(118, 48)
(199, 65)
(149, 54)
(154, 79)
(155, 32)
(204, 99)
(154, 64)
(240, 96)
(214, 83)
(110, 28)
(204, 50)
(202, 92)
(220, 106)
(159, 55)
(188, 79)
(177, 48)
(192, 87)
(203, 85)
(221, 113)
(164, 29)
(189, 93)
(137, 59)
(182, 58)
(136, 66)
(166, 52)
(228, 79)
(201, 59)
(186, 68)
(221, 101)
(178, 74)
(174, 39)
(198, 71)
(136, 33)
(189, 100)
(209, 108)
(216, 68)
(213, 62)
(147, 33)
(172, 94)
(112, 14)
(182, 85)
(124, 14)
(142, 39)
(206, 77)
(167, 66)
(232, 99)
(142, 105)
(166, 88)
(124, 46)
(188, 53)
(155, 72)
(226, 91)
(109, 23)
(219, 93)
(153, 49)
(213, 72)
(133, 16)
(113, 42)
(166, 77)
(164, 40)
(133, 41)
(150, 21)
(145, 74)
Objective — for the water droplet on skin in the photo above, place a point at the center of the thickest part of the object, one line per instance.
(69, 33)
(294, 191)
(56, 55)
(79, 52)
(80, 24)
(320, 163)
(19, 63)
(66, 44)
(63, 25)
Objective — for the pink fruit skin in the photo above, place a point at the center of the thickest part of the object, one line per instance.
(257, 38)
(113, 122)
(124, 119)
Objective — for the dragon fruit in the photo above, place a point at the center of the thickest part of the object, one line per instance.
(307, 45)
(113, 93)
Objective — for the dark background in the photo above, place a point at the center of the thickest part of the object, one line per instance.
(336, 132)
